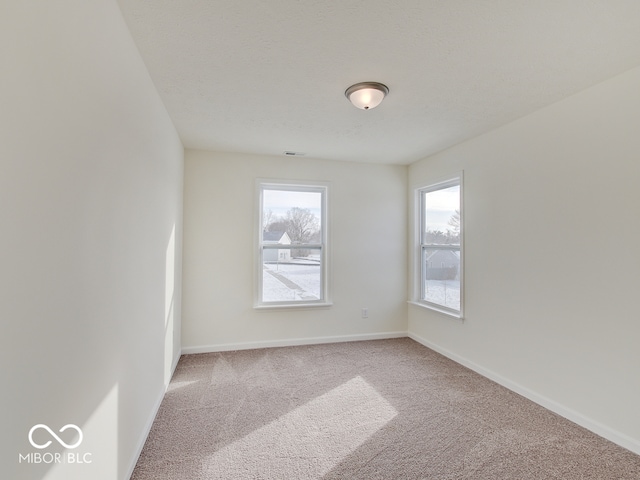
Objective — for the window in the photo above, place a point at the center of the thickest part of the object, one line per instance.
(439, 284)
(292, 245)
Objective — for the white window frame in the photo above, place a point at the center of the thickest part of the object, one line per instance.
(421, 245)
(323, 245)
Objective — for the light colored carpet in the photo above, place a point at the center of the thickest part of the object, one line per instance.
(387, 409)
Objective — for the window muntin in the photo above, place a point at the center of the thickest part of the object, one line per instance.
(440, 272)
(292, 245)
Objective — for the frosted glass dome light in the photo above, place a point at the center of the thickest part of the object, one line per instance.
(366, 95)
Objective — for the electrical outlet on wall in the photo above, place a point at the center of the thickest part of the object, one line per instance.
(365, 313)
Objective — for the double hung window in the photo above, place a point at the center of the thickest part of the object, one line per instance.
(292, 245)
(440, 273)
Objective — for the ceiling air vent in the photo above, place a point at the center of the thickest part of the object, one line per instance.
(294, 154)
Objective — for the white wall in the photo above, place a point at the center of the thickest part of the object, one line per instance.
(368, 233)
(90, 219)
(552, 259)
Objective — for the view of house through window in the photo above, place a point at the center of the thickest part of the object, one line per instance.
(440, 246)
(292, 244)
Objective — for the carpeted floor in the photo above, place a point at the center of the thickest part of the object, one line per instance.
(387, 409)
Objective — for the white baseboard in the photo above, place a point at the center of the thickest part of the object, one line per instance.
(149, 423)
(290, 342)
(614, 436)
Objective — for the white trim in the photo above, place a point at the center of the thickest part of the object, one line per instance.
(225, 347)
(433, 307)
(152, 417)
(614, 436)
(292, 305)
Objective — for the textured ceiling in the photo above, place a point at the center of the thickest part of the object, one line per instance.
(269, 76)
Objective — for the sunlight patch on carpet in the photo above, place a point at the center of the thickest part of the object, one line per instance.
(175, 385)
(308, 441)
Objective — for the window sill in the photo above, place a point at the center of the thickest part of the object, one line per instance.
(433, 308)
(293, 306)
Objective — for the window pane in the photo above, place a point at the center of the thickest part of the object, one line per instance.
(441, 280)
(287, 277)
(298, 213)
(442, 216)
(292, 244)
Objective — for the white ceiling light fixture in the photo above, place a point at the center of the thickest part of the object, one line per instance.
(366, 95)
